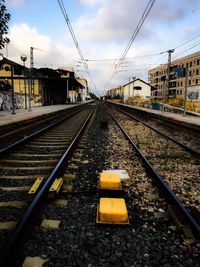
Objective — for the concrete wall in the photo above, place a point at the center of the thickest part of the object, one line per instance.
(145, 91)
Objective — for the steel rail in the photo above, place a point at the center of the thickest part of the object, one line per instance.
(169, 193)
(22, 227)
(187, 148)
(31, 136)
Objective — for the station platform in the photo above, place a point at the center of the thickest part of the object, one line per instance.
(189, 121)
(6, 117)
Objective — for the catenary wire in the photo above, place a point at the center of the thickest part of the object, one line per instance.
(64, 12)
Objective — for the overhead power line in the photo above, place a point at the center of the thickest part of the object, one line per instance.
(128, 58)
(62, 7)
(64, 12)
(187, 50)
(141, 21)
(177, 48)
(198, 35)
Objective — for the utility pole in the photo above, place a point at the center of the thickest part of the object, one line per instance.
(166, 91)
(169, 66)
(31, 81)
(185, 93)
(129, 81)
(13, 94)
(31, 69)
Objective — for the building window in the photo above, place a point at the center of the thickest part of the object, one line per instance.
(139, 88)
(187, 65)
(189, 82)
(190, 73)
(197, 71)
(197, 61)
(196, 81)
(191, 64)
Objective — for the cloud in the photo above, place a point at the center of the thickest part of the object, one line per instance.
(173, 11)
(89, 2)
(103, 31)
(27, 36)
(111, 22)
(15, 3)
(50, 53)
(116, 21)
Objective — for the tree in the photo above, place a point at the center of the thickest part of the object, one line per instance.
(4, 18)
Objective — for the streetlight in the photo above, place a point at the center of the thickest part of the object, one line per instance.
(13, 95)
(24, 58)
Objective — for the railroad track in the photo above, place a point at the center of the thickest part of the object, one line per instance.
(10, 133)
(189, 137)
(175, 169)
(44, 154)
(151, 239)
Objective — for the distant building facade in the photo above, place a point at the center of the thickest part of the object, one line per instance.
(83, 93)
(158, 78)
(137, 88)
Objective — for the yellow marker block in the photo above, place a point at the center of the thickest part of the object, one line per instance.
(35, 186)
(110, 181)
(56, 186)
(112, 211)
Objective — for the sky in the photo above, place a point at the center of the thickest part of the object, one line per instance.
(103, 29)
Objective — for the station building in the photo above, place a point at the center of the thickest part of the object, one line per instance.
(163, 88)
(42, 86)
(136, 88)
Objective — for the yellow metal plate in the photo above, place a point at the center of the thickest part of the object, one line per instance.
(56, 186)
(35, 186)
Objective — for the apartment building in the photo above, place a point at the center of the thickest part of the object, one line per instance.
(162, 88)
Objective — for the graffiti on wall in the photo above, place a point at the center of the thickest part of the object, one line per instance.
(6, 101)
(193, 95)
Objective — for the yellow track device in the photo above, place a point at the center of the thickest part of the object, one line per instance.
(55, 188)
(112, 211)
(109, 181)
(35, 187)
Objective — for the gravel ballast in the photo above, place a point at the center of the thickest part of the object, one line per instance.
(79, 241)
